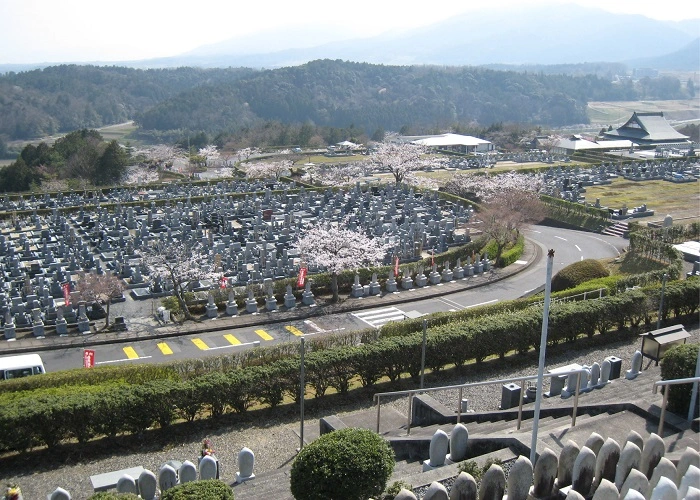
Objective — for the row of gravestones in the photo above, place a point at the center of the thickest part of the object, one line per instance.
(251, 303)
(61, 324)
(147, 485)
(601, 469)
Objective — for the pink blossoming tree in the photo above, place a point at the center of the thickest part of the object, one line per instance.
(402, 160)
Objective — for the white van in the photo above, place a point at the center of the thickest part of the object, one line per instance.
(21, 366)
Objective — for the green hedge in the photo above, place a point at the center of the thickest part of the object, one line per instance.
(679, 362)
(49, 415)
(578, 273)
(208, 489)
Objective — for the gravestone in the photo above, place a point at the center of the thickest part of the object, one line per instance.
(458, 270)
(595, 376)
(688, 457)
(633, 372)
(307, 298)
(246, 462)
(406, 281)
(438, 450)
(148, 485)
(630, 457)
(447, 273)
(212, 310)
(665, 490)
(37, 323)
(664, 468)
(167, 477)
(434, 276)
(652, 452)
(545, 474)
(251, 305)
(83, 321)
(421, 278)
(374, 286)
(290, 301)
(270, 300)
(691, 479)
(231, 305)
(208, 468)
(636, 438)
(493, 483)
(605, 373)
(607, 460)
(567, 457)
(635, 481)
(436, 491)
(391, 283)
(405, 494)
(464, 487)
(60, 494)
(584, 471)
(594, 442)
(519, 479)
(9, 328)
(459, 440)
(187, 472)
(127, 484)
(357, 290)
(606, 491)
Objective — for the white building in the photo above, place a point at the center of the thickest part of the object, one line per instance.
(452, 142)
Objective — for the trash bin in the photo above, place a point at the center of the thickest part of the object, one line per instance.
(615, 366)
(510, 396)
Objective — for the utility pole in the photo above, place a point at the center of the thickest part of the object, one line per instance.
(302, 387)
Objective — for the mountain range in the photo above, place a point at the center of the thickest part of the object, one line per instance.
(543, 35)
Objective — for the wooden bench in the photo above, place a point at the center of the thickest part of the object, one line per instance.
(108, 480)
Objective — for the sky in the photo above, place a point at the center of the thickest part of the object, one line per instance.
(39, 31)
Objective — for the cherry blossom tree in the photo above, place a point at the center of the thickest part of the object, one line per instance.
(337, 249)
(401, 160)
(268, 169)
(338, 174)
(181, 264)
(210, 154)
(485, 187)
(95, 287)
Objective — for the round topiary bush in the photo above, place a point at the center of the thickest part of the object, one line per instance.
(679, 362)
(209, 489)
(347, 464)
(577, 273)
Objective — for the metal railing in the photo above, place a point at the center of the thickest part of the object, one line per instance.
(596, 294)
(668, 384)
(412, 392)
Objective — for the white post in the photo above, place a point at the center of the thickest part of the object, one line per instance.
(694, 395)
(543, 348)
(302, 387)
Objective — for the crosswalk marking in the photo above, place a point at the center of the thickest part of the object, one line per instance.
(313, 325)
(263, 334)
(232, 340)
(200, 344)
(294, 330)
(130, 353)
(164, 348)
(378, 317)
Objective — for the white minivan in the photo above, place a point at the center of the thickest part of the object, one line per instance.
(22, 365)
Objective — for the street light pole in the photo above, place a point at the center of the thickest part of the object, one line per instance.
(661, 302)
(543, 348)
(302, 386)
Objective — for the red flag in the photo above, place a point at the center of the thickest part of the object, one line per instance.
(223, 282)
(66, 293)
(396, 267)
(302, 277)
(88, 358)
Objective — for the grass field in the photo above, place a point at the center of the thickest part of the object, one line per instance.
(616, 113)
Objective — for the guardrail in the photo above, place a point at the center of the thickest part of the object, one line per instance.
(668, 384)
(412, 392)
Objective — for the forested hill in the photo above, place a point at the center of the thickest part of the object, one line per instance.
(323, 92)
(71, 97)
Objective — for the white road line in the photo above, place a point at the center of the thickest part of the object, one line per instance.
(313, 325)
(578, 248)
(379, 317)
(482, 304)
(560, 238)
(120, 360)
(451, 303)
(608, 243)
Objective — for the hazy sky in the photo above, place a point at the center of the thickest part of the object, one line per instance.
(34, 31)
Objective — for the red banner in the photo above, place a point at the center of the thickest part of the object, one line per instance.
(223, 283)
(66, 293)
(301, 281)
(88, 358)
(396, 267)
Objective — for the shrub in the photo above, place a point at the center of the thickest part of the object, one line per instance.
(113, 495)
(209, 489)
(347, 464)
(679, 362)
(395, 489)
(577, 273)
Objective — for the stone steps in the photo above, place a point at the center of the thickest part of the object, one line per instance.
(619, 229)
(273, 484)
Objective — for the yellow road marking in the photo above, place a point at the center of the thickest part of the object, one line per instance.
(200, 343)
(130, 353)
(164, 348)
(294, 330)
(263, 334)
(233, 340)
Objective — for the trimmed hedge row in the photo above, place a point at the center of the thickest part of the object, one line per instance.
(50, 416)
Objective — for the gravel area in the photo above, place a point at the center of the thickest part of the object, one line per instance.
(271, 435)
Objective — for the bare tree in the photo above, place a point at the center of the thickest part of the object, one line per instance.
(102, 288)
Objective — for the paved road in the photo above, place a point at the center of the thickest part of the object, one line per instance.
(570, 246)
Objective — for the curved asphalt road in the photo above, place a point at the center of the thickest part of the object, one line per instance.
(570, 246)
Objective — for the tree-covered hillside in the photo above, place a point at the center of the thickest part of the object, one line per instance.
(325, 93)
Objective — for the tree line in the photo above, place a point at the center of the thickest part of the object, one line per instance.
(324, 93)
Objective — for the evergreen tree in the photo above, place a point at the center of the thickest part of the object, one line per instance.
(111, 166)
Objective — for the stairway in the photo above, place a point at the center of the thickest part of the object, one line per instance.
(618, 229)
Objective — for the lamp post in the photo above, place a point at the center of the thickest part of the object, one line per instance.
(661, 302)
(543, 348)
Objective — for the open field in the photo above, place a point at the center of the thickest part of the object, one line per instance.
(618, 112)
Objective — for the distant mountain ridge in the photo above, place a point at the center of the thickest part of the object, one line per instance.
(542, 35)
